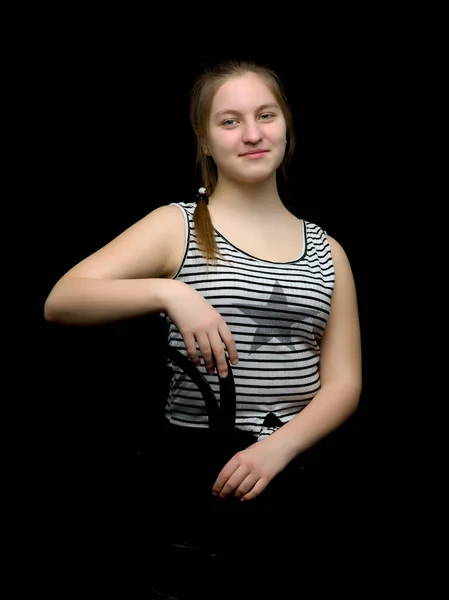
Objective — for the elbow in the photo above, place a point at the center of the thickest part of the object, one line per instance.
(353, 392)
(344, 395)
(50, 311)
(57, 306)
(349, 391)
(54, 308)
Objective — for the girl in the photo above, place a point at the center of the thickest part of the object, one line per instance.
(250, 292)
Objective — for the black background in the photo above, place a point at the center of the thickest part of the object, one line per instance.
(120, 144)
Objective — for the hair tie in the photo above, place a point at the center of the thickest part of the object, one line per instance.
(202, 195)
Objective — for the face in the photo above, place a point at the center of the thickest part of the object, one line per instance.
(247, 129)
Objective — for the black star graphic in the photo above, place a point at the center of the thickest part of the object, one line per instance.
(278, 327)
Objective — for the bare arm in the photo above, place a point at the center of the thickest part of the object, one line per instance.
(128, 277)
(340, 368)
(131, 277)
(248, 473)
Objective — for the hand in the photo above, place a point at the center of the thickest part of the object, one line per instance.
(199, 323)
(249, 471)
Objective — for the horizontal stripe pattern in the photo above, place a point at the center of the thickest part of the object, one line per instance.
(276, 312)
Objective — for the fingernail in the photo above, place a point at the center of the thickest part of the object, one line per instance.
(223, 374)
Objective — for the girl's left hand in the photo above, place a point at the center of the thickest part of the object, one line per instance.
(249, 471)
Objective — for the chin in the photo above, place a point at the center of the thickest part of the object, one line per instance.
(255, 179)
(256, 172)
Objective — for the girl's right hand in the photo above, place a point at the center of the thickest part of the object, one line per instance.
(199, 323)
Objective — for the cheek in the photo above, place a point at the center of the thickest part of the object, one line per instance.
(278, 136)
(225, 144)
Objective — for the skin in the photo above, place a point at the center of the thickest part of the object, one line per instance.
(245, 118)
(132, 276)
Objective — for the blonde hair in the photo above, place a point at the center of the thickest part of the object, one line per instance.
(201, 97)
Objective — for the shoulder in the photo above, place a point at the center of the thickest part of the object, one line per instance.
(339, 257)
(171, 222)
(316, 235)
(319, 234)
(340, 260)
(338, 252)
(168, 215)
(163, 230)
(313, 228)
(188, 208)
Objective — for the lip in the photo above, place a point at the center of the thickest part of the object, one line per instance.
(254, 153)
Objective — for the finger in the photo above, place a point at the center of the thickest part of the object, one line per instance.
(246, 486)
(229, 342)
(205, 351)
(257, 489)
(219, 353)
(227, 471)
(190, 345)
(234, 482)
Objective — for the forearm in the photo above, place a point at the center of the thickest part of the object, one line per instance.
(331, 407)
(86, 301)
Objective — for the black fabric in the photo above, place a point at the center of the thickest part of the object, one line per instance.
(202, 537)
(201, 541)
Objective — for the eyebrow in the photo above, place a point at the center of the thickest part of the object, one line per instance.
(232, 111)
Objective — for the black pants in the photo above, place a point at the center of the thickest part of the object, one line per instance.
(210, 548)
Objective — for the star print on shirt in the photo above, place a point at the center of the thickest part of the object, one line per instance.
(280, 326)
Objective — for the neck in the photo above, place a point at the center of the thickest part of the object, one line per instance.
(246, 197)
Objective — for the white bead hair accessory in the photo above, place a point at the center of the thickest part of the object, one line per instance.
(202, 195)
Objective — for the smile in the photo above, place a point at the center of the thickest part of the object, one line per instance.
(252, 154)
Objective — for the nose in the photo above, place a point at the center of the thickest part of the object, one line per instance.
(251, 133)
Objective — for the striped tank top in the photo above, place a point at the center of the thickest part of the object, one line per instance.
(276, 312)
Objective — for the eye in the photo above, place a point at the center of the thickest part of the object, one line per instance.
(266, 116)
(229, 122)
